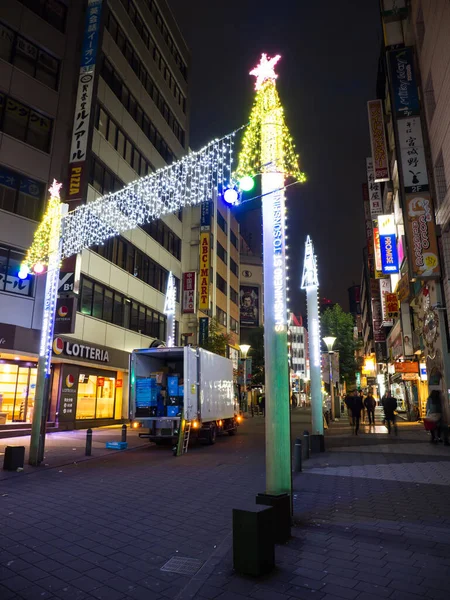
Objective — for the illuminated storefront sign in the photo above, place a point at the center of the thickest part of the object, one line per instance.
(205, 252)
(378, 141)
(388, 244)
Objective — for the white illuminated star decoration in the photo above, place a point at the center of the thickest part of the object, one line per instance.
(265, 70)
(55, 189)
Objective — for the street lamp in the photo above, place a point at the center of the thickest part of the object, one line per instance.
(244, 348)
(329, 341)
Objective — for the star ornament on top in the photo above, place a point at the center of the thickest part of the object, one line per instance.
(265, 70)
(55, 189)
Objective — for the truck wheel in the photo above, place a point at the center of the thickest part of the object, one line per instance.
(212, 436)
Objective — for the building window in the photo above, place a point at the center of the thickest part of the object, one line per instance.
(52, 11)
(430, 100)
(222, 253)
(10, 261)
(234, 325)
(233, 239)
(124, 146)
(440, 179)
(125, 255)
(221, 316)
(21, 195)
(234, 268)
(103, 179)
(129, 102)
(234, 296)
(23, 123)
(160, 232)
(146, 80)
(28, 57)
(221, 222)
(221, 284)
(102, 302)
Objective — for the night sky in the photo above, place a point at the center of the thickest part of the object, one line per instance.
(327, 73)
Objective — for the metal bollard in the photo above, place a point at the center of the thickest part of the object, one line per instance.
(124, 433)
(298, 455)
(88, 451)
(306, 440)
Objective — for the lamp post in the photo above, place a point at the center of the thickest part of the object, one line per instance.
(329, 341)
(244, 348)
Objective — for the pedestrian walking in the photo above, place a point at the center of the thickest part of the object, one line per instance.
(389, 404)
(363, 412)
(370, 403)
(348, 401)
(435, 418)
(357, 408)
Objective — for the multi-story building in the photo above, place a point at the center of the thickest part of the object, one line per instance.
(298, 342)
(132, 110)
(251, 290)
(407, 195)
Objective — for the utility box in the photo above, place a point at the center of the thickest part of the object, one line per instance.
(253, 540)
(14, 458)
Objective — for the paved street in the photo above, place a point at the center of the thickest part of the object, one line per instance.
(372, 521)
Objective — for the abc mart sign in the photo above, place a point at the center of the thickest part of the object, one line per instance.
(77, 350)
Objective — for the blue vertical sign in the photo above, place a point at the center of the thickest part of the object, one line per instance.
(389, 254)
(91, 33)
(404, 85)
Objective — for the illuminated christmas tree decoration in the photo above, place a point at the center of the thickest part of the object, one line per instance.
(169, 310)
(265, 70)
(310, 283)
(247, 183)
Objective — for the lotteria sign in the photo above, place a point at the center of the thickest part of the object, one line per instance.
(77, 350)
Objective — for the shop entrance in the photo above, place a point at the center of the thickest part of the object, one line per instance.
(17, 392)
(96, 395)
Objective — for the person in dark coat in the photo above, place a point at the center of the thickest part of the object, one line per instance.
(389, 404)
(357, 408)
(370, 403)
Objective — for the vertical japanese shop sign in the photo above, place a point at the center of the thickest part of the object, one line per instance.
(412, 152)
(374, 188)
(378, 141)
(83, 106)
(385, 289)
(421, 235)
(189, 292)
(404, 87)
(205, 254)
(377, 316)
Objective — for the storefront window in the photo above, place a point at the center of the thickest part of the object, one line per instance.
(95, 398)
(17, 390)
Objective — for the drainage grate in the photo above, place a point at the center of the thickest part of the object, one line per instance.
(182, 566)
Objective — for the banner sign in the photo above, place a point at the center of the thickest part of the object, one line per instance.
(375, 198)
(391, 306)
(385, 289)
(378, 141)
(421, 235)
(189, 292)
(403, 288)
(412, 151)
(68, 392)
(369, 229)
(389, 254)
(377, 251)
(406, 367)
(249, 306)
(205, 253)
(91, 34)
(377, 316)
(205, 215)
(66, 309)
(404, 86)
(203, 330)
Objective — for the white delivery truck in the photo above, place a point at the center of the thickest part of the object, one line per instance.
(168, 383)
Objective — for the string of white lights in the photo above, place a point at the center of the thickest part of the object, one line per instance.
(187, 182)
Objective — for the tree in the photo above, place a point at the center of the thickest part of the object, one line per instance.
(217, 340)
(340, 324)
(256, 341)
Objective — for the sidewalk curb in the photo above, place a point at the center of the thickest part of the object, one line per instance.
(201, 577)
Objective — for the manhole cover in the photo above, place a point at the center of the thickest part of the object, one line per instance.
(182, 566)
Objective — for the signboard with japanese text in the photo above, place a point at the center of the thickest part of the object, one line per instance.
(391, 305)
(205, 260)
(403, 290)
(421, 235)
(389, 254)
(377, 252)
(406, 367)
(83, 108)
(404, 87)
(412, 151)
(68, 392)
(189, 292)
(385, 289)
(205, 215)
(91, 34)
(378, 141)
(369, 229)
(203, 330)
(375, 198)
